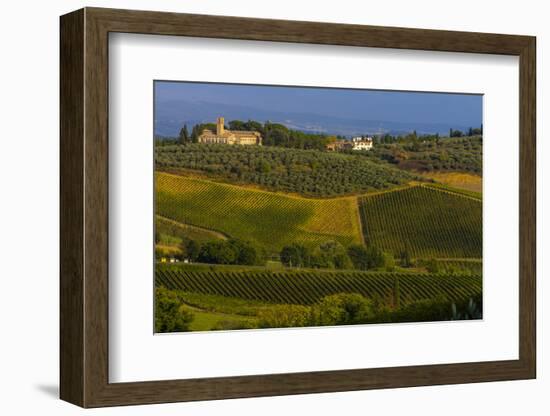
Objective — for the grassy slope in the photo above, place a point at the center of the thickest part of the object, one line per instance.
(181, 231)
(172, 233)
(425, 221)
(269, 219)
(207, 320)
(461, 180)
(458, 191)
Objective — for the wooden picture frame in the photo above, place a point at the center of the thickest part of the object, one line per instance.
(84, 207)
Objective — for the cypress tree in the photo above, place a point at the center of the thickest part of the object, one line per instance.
(184, 135)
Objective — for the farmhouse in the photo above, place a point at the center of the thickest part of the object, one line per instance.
(338, 145)
(361, 143)
(229, 136)
(356, 143)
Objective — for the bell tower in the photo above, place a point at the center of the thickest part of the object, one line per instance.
(220, 126)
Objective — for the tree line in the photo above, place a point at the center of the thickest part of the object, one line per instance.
(232, 251)
(276, 134)
(328, 255)
(333, 255)
(273, 134)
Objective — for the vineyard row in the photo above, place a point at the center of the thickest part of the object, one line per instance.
(307, 287)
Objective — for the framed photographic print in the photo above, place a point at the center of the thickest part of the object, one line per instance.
(255, 207)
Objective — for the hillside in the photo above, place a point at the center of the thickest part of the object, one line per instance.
(467, 181)
(431, 154)
(308, 286)
(306, 172)
(270, 220)
(425, 221)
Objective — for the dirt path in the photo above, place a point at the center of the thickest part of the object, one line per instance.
(183, 226)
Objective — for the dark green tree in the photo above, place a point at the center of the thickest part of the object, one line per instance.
(192, 248)
(246, 252)
(375, 257)
(217, 252)
(236, 125)
(405, 259)
(184, 135)
(296, 255)
(331, 254)
(396, 294)
(170, 315)
(359, 256)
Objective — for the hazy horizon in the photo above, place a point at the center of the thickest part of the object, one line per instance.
(314, 108)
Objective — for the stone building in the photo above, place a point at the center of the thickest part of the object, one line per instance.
(362, 143)
(356, 143)
(229, 136)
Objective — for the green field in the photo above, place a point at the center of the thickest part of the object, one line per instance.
(271, 220)
(461, 266)
(425, 221)
(205, 320)
(304, 287)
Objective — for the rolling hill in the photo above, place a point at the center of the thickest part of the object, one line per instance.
(425, 221)
(271, 220)
(310, 173)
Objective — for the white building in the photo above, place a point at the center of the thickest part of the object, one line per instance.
(361, 143)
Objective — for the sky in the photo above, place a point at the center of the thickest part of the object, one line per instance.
(394, 106)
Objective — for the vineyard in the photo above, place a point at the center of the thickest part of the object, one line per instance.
(425, 221)
(308, 286)
(460, 266)
(268, 219)
(454, 190)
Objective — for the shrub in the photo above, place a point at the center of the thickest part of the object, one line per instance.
(436, 309)
(285, 316)
(389, 262)
(342, 309)
(432, 266)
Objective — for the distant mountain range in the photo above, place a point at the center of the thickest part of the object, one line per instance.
(170, 116)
